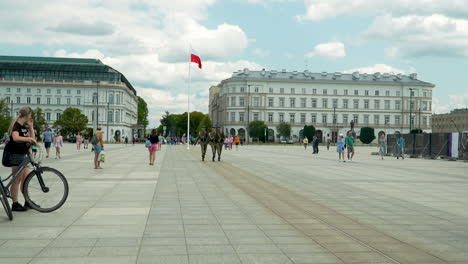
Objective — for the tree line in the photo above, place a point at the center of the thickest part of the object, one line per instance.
(176, 124)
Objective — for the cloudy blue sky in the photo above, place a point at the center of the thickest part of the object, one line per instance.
(148, 40)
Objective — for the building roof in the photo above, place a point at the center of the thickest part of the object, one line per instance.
(337, 77)
(59, 69)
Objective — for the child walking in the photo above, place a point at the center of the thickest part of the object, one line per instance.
(58, 144)
(340, 148)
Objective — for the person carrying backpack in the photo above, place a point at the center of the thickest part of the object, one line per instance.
(98, 146)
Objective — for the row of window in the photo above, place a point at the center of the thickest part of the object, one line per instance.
(377, 119)
(271, 90)
(426, 105)
(39, 90)
(118, 96)
(49, 100)
(60, 75)
(110, 116)
(58, 100)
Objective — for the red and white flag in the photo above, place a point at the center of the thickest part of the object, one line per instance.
(194, 58)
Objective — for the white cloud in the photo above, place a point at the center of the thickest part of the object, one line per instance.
(392, 52)
(330, 49)
(166, 83)
(89, 54)
(454, 101)
(260, 52)
(458, 100)
(161, 27)
(159, 101)
(326, 9)
(382, 68)
(147, 40)
(422, 35)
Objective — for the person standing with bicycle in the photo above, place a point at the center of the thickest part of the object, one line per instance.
(18, 148)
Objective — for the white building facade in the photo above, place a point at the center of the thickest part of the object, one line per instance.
(103, 94)
(328, 101)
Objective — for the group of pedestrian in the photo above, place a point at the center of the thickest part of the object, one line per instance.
(52, 139)
(344, 144)
(315, 144)
(215, 139)
(399, 147)
(230, 141)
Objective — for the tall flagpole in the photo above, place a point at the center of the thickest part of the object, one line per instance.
(188, 103)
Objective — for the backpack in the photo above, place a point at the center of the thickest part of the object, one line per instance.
(94, 140)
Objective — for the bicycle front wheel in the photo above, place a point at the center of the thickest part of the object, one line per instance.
(48, 196)
(5, 203)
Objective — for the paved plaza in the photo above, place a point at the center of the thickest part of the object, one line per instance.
(261, 204)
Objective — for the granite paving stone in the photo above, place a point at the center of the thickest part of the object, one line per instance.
(261, 204)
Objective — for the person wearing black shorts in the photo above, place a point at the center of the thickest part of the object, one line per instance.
(18, 147)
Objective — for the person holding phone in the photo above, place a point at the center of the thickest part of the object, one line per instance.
(18, 147)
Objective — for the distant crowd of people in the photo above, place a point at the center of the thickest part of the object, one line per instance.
(346, 144)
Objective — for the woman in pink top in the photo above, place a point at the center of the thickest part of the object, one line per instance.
(231, 140)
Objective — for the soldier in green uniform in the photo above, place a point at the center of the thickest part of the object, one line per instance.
(220, 143)
(203, 140)
(212, 138)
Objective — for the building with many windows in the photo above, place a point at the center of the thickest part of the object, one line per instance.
(102, 93)
(455, 121)
(329, 101)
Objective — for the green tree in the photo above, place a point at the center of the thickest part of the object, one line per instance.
(72, 121)
(416, 131)
(171, 123)
(142, 113)
(195, 120)
(367, 135)
(5, 117)
(206, 122)
(40, 122)
(257, 130)
(309, 132)
(284, 129)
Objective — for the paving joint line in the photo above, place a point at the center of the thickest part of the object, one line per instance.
(294, 206)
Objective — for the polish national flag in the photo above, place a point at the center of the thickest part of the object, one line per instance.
(194, 58)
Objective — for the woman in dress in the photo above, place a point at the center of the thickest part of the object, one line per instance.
(382, 146)
(58, 144)
(340, 148)
(79, 139)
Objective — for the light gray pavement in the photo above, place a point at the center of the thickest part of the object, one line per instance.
(271, 204)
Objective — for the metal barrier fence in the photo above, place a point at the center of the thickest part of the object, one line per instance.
(450, 145)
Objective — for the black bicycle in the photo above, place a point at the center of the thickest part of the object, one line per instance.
(44, 188)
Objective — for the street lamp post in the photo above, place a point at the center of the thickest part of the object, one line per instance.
(97, 104)
(334, 125)
(248, 113)
(107, 137)
(410, 109)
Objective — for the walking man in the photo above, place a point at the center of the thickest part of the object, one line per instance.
(305, 141)
(212, 138)
(203, 140)
(220, 142)
(400, 147)
(237, 141)
(350, 144)
(47, 138)
(315, 144)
